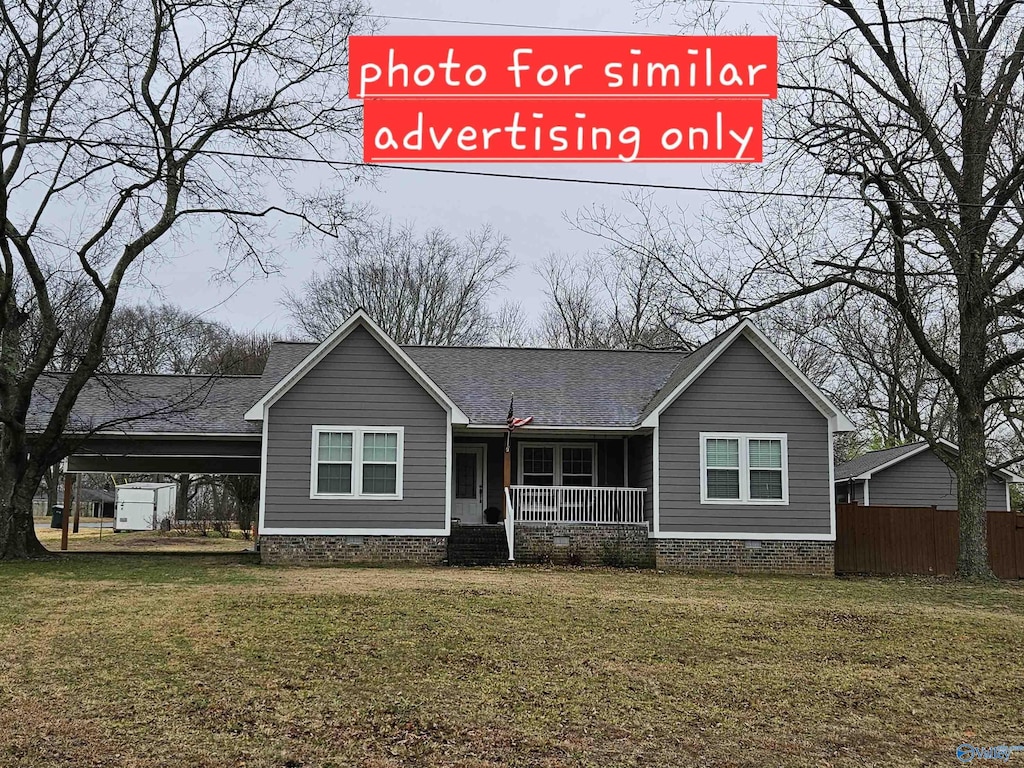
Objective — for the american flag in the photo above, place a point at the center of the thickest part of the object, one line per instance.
(512, 421)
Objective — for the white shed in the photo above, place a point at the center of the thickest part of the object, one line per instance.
(143, 506)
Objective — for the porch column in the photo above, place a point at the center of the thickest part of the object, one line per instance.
(507, 475)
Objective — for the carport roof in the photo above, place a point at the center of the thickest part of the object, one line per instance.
(158, 404)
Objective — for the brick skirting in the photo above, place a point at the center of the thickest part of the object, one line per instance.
(624, 546)
(766, 556)
(591, 545)
(331, 550)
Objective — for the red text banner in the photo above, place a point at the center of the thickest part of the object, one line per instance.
(578, 130)
(652, 66)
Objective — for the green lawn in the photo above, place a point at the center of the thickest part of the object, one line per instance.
(165, 662)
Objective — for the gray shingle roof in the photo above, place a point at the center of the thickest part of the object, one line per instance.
(153, 403)
(874, 459)
(558, 387)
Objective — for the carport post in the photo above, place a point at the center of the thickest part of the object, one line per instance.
(69, 480)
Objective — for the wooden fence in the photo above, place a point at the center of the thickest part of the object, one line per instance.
(916, 540)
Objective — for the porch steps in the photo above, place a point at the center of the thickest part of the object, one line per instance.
(477, 545)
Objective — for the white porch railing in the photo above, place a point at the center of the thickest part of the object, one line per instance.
(510, 526)
(568, 504)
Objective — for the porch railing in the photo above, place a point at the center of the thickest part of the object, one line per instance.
(569, 504)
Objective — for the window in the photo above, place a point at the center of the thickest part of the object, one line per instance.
(743, 469)
(357, 462)
(538, 465)
(556, 464)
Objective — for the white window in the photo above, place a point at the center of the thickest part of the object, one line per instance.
(743, 469)
(356, 463)
(550, 464)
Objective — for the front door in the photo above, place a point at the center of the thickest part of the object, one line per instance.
(469, 486)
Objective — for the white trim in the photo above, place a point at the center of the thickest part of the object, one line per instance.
(358, 433)
(262, 516)
(356, 532)
(837, 419)
(656, 490)
(358, 319)
(744, 536)
(481, 452)
(556, 478)
(867, 493)
(448, 471)
(1008, 507)
(831, 482)
(744, 439)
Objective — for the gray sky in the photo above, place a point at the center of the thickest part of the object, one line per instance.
(530, 213)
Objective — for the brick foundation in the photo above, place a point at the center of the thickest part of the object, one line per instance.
(625, 546)
(803, 557)
(332, 550)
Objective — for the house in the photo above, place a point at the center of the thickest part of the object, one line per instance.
(93, 502)
(912, 475)
(372, 451)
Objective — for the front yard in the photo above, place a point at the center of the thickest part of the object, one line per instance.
(115, 661)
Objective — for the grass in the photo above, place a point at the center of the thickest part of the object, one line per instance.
(105, 540)
(160, 662)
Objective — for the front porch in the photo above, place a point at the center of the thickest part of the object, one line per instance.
(560, 485)
(572, 478)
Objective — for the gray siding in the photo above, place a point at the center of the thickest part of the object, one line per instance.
(924, 480)
(358, 384)
(641, 470)
(743, 392)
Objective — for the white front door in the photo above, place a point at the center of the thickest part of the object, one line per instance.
(469, 484)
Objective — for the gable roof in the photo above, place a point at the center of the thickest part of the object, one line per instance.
(863, 467)
(359, 319)
(561, 388)
(705, 356)
(569, 388)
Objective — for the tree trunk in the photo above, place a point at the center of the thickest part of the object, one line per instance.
(18, 539)
(972, 481)
(181, 499)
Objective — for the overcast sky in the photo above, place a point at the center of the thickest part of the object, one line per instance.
(530, 213)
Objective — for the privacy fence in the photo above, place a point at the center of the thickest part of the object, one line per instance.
(920, 540)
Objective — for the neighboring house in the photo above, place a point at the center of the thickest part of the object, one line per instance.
(367, 450)
(93, 502)
(912, 475)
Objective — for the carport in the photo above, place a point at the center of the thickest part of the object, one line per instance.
(156, 424)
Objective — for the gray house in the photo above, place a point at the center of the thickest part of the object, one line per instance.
(912, 475)
(367, 450)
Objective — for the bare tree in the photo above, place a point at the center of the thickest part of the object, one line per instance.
(138, 116)
(432, 288)
(898, 130)
(510, 326)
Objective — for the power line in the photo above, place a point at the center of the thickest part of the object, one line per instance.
(638, 33)
(343, 164)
